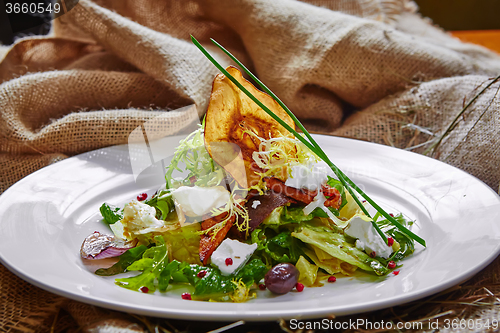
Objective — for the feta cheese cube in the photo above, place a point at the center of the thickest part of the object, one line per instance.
(238, 252)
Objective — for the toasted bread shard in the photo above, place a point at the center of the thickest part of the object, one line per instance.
(231, 115)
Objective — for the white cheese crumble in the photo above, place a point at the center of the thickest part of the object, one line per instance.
(138, 218)
(309, 177)
(359, 245)
(312, 177)
(239, 253)
(368, 239)
(198, 201)
(255, 203)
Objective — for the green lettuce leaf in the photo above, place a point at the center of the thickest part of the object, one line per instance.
(111, 214)
(252, 272)
(154, 261)
(212, 286)
(406, 243)
(125, 260)
(164, 205)
(166, 275)
(183, 243)
(295, 215)
(308, 272)
(273, 237)
(216, 286)
(276, 247)
(157, 273)
(318, 212)
(335, 244)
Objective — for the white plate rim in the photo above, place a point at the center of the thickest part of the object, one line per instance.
(215, 314)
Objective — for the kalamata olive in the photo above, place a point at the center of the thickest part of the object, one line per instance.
(281, 278)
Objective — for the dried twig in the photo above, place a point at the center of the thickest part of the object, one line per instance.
(455, 121)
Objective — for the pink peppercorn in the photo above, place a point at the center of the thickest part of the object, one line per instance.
(395, 272)
(391, 265)
(390, 241)
(186, 296)
(142, 197)
(299, 286)
(229, 261)
(201, 274)
(144, 289)
(262, 286)
(332, 279)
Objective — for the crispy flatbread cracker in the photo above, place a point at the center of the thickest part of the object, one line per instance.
(230, 115)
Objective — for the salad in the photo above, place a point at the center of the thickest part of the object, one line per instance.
(255, 208)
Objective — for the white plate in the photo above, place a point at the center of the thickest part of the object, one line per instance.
(45, 217)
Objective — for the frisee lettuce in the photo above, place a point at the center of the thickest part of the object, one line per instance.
(278, 155)
(197, 161)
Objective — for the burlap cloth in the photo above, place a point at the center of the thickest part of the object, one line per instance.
(368, 69)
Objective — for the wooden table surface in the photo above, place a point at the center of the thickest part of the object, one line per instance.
(486, 38)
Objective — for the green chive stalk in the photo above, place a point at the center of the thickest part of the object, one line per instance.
(309, 143)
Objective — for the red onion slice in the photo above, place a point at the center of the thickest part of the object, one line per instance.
(101, 246)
